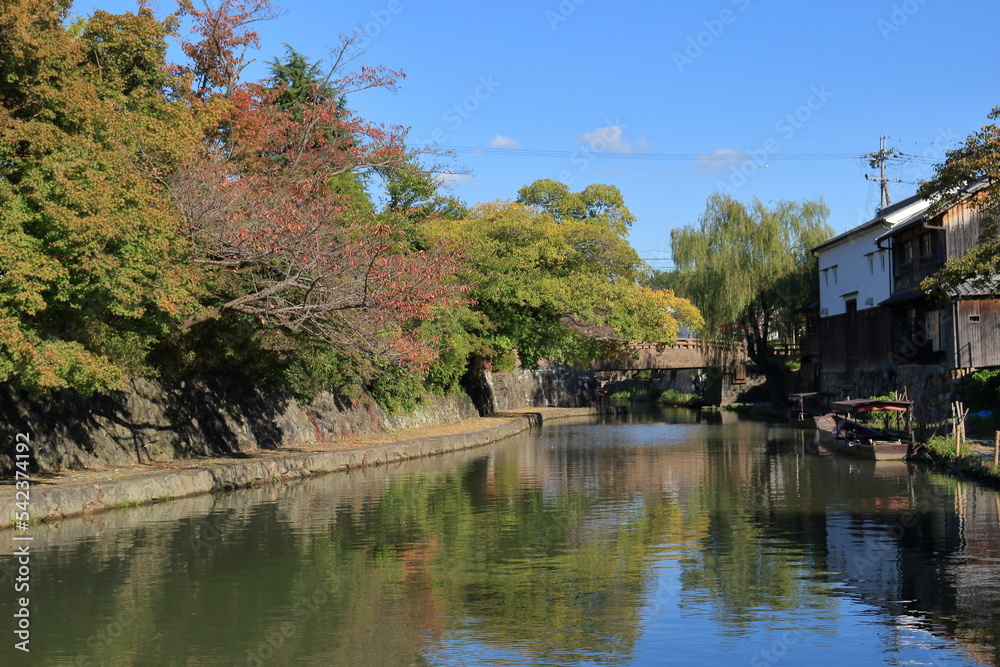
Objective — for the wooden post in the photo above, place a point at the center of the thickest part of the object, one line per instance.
(996, 449)
(958, 430)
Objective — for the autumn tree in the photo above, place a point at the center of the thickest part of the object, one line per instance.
(91, 250)
(748, 269)
(271, 217)
(144, 204)
(976, 162)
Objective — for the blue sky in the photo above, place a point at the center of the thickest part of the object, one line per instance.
(670, 101)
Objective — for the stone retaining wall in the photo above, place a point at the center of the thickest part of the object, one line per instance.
(549, 387)
(155, 421)
(932, 388)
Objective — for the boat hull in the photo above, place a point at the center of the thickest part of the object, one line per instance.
(876, 450)
(807, 422)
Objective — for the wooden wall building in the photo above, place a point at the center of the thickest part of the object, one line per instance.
(877, 332)
(960, 334)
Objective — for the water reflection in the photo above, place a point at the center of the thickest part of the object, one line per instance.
(668, 539)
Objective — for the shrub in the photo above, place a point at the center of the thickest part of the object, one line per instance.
(674, 397)
(982, 392)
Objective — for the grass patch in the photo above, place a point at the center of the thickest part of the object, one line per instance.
(679, 398)
(637, 396)
(941, 451)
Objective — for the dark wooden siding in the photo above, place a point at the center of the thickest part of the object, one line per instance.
(979, 341)
(926, 256)
(963, 225)
(832, 343)
(874, 338)
(872, 331)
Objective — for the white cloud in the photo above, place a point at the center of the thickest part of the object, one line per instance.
(611, 139)
(724, 159)
(504, 142)
(448, 179)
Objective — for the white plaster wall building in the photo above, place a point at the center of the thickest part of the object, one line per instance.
(853, 267)
(855, 276)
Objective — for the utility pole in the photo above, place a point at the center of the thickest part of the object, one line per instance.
(877, 161)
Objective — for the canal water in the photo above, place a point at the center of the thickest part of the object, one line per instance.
(663, 540)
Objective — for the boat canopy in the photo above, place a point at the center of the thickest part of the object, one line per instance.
(863, 405)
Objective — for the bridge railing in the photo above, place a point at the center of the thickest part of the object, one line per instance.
(695, 344)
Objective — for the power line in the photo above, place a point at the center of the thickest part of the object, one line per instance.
(878, 161)
(594, 152)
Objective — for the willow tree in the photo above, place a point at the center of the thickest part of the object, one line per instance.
(975, 161)
(748, 269)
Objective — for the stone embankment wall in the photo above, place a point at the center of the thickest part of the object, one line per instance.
(153, 421)
(931, 388)
(751, 390)
(551, 387)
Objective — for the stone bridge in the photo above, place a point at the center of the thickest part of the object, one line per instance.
(684, 354)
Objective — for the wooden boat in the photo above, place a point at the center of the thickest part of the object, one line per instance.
(848, 436)
(798, 416)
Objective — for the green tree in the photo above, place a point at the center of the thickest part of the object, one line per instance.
(597, 203)
(553, 281)
(749, 269)
(977, 161)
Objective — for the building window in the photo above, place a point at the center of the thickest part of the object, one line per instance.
(925, 245)
(881, 256)
(834, 275)
(907, 252)
(826, 277)
(871, 265)
(973, 318)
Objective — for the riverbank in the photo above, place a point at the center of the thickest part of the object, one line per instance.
(72, 493)
(975, 463)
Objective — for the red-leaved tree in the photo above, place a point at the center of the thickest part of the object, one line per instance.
(277, 239)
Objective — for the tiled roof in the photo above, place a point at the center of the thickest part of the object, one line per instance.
(890, 216)
(981, 287)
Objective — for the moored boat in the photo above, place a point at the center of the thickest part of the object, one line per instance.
(848, 436)
(798, 416)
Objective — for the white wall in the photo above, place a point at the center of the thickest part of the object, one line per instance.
(844, 268)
